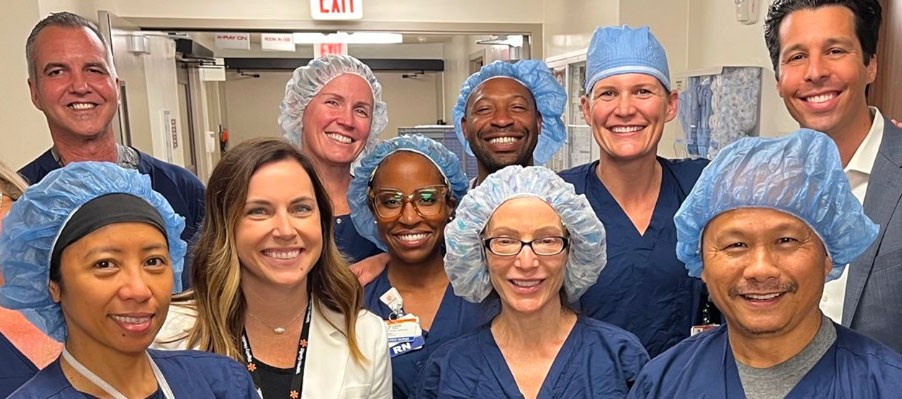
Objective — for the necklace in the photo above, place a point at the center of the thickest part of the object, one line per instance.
(278, 329)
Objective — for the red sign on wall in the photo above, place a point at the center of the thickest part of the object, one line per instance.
(336, 9)
(321, 49)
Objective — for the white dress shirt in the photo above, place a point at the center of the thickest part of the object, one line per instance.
(858, 171)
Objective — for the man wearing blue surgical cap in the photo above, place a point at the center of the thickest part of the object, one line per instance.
(510, 114)
(635, 193)
(769, 221)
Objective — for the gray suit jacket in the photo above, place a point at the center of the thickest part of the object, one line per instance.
(873, 302)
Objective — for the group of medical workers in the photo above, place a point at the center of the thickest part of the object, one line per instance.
(330, 264)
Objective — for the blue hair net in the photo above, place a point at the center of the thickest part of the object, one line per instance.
(465, 261)
(32, 225)
(358, 193)
(616, 50)
(799, 174)
(549, 95)
(307, 81)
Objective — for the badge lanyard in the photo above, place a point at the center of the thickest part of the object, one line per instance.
(297, 380)
(402, 329)
(100, 383)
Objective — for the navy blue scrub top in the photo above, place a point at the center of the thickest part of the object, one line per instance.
(15, 368)
(703, 366)
(350, 243)
(644, 288)
(598, 360)
(190, 374)
(454, 318)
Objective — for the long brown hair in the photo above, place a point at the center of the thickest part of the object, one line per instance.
(217, 272)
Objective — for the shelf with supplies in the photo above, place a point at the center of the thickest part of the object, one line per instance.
(570, 71)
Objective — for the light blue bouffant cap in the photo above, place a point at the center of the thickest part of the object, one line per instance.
(549, 95)
(616, 50)
(33, 224)
(307, 81)
(465, 261)
(799, 174)
(444, 160)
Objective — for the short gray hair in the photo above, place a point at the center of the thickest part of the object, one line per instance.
(64, 20)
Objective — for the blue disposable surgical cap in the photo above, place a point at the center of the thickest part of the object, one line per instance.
(307, 81)
(549, 95)
(616, 50)
(799, 174)
(465, 261)
(36, 219)
(444, 160)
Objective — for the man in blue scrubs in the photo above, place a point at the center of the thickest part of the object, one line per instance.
(767, 223)
(644, 289)
(510, 114)
(73, 81)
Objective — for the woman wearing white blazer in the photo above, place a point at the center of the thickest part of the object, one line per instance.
(270, 288)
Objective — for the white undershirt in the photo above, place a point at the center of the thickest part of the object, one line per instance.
(858, 171)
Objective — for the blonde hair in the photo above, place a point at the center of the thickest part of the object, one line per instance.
(11, 184)
(216, 278)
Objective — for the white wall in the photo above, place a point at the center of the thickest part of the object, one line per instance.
(25, 134)
(569, 23)
(417, 95)
(252, 105)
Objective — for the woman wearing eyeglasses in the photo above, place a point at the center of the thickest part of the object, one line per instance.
(524, 236)
(401, 198)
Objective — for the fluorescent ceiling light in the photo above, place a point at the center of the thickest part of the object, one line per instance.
(346, 37)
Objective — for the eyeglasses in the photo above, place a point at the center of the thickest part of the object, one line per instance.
(542, 246)
(426, 201)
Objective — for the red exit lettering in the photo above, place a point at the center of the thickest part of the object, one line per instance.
(331, 48)
(337, 6)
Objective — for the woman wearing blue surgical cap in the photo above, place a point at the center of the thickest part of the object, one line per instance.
(333, 111)
(644, 289)
(23, 347)
(525, 237)
(91, 255)
(403, 194)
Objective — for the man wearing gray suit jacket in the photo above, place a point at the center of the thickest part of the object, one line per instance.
(824, 55)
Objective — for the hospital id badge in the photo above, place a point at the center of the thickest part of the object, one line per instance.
(404, 347)
(700, 328)
(404, 335)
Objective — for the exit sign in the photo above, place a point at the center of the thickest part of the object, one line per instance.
(322, 49)
(336, 9)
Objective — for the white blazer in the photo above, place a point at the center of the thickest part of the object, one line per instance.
(330, 372)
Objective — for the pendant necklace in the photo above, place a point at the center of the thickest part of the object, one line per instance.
(278, 330)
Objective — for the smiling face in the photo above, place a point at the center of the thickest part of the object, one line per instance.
(114, 288)
(627, 113)
(73, 85)
(502, 124)
(412, 237)
(765, 271)
(822, 76)
(337, 121)
(278, 237)
(526, 283)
